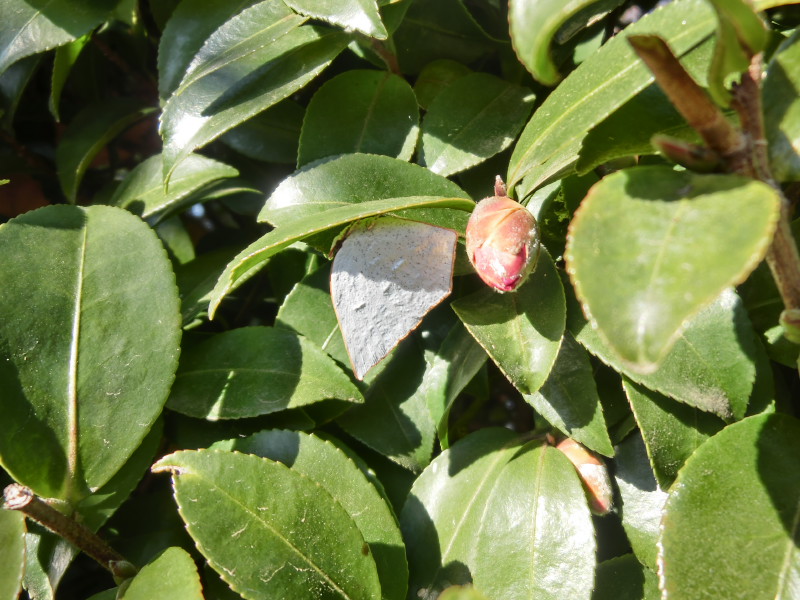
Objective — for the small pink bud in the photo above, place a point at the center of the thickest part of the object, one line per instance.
(593, 475)
(502, 241)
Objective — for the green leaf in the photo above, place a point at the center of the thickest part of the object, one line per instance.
(672, 431)
(520, 331)
(329, 466)
(270, 136)
(88, 133)
(172, 575)
(250, 260)
(30, 28)
(551, 141)
(268, 530)
(253, 61)
(534, 25)
(13, 82)
(741, 34)
(461, 592)
(142, 191)
(47, 557)
(12, 553)
(711, 366)
(474, 118)
(507, 517)
(62, 66)
(195, 281)
(623, 578)
(255, 371)
(745, 482)
(189, 26)
(376, 113)
(351, 15)
(351, 179)
(395, 419)
(92, 357)
(782, 110)
(668, 243)
(569, 400)
(642, 499)
(308, 310)
(435, 78)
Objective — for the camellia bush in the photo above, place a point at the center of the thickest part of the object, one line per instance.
(412, 299)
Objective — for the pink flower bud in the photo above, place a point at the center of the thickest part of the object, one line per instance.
(502, 241)
(593, 475)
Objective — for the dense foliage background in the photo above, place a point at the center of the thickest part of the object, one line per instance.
(177, 175)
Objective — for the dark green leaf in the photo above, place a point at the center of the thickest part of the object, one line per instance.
(13, 82)
(436, 77)
(267, 530)
(475, 117)
(550, 143)
(326, 464)
(520, 331)
(670, 242)
(376, 113)
(88, 133)
(255, 371)
(253, 61)
(92, 357)
(672, 431)
(33, 27)
(172, 575)
(535, 24)
(782, 110)
(142, 191)
(62, 65)
(506, 517)
(12, 553)
(744, 482)
(569, 400)
(270, 136)
(623, 578)
(351, 15)
(251, 259)
(642, 500)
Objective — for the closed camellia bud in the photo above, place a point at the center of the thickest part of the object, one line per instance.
(502, 240)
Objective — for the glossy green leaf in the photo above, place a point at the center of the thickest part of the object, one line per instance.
(711, 366)
(172, 575)
(436, 77)
(395, 420)
(745, 482)
(642, 500)
(782, 110)
(62, 66)
(253, 61)
(142, 191)
(270, 136)
(376, 113)
(569, 400)
(47, 557)
(351, 15)
(326, 464)
(672, 431)
(188, 27)
(507, 517)
(30, 28)
(308, 310)
(13, 82)
(92, 357)
(668, 243)
(268, 530)
(251, 259)
(255, 371)
(741, 34)
(12, 553)
(87, 134)
(351, 179)
(520, 331)
(623, 578)
(550, 142)
(534, 26)
(461, 592)
(474, 118)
